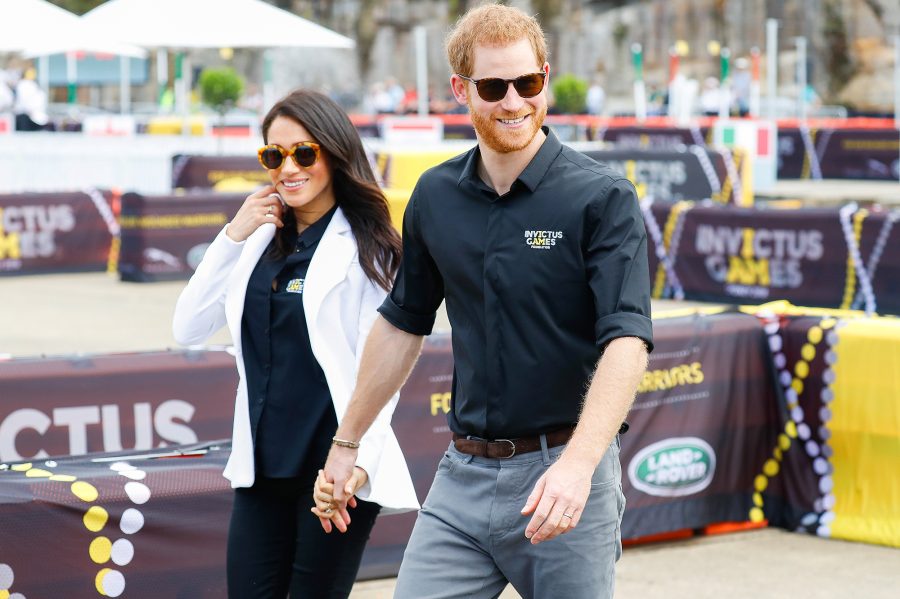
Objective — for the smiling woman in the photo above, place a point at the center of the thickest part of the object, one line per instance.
(297, 276)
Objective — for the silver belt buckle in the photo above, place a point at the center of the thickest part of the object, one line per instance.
(511, 444)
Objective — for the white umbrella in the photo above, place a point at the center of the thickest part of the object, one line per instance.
(182, 24)
(38, 28)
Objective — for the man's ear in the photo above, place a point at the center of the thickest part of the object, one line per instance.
(459, 88)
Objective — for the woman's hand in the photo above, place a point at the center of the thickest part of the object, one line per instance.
(262, 206)
(323, 497)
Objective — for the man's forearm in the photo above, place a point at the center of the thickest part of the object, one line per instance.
(388, 358)
(608, 399)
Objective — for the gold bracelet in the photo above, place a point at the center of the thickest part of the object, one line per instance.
(345, 443)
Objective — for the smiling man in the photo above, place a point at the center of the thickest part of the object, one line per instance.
(541, 256)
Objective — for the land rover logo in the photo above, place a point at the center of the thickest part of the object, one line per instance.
(673, 467)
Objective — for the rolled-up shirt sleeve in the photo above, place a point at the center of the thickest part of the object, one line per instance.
(418, 287)
(617, 266)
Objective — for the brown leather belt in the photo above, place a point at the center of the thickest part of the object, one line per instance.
(507, 448)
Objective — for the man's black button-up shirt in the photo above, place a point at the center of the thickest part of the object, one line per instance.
(537, 281)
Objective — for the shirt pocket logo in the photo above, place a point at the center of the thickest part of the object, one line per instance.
(542, 240)
(294, 286)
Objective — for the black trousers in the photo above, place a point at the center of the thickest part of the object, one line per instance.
(276, 546)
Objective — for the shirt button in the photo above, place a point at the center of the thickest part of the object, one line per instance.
(261, 399)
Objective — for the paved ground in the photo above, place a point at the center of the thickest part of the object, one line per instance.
(93, 313)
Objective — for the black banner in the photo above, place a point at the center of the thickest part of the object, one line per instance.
(701, 424)
(847, 258)
(213, 172)
(165, 237)
(680, 173)
(55, 232)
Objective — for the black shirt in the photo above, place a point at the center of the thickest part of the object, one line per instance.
(291, 413)
(536, 281)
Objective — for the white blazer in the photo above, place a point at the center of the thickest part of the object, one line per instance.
(340, 304)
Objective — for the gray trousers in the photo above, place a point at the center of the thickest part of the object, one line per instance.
(469, 538)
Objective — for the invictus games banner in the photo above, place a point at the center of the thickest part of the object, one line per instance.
(55, 232)
(846, 258)
(109, 403)
(700, 425)
(223, 173)
(681, 173)
(165, 237)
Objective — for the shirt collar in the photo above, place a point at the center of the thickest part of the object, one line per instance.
(532, 175)
(313, 233)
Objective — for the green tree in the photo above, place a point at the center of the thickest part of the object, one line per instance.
(570, 93)
(220, 89)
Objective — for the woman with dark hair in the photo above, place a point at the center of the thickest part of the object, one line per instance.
(297, 276)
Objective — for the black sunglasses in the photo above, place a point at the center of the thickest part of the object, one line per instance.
(304, 153)
(493, 89)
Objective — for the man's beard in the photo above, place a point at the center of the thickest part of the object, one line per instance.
(493, 136)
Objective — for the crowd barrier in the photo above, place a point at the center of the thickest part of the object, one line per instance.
(823, 151)
(669, 173)
(838, 258)
(780, 416)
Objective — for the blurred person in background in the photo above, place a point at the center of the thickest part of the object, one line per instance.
(31, 104)
(541, 256)
(596, 98)
(7, 98)
(297, 276)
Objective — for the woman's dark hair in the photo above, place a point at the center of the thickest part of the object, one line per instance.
(356, 190)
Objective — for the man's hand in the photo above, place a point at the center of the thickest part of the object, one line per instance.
(326, 509)
(338, 471)
(558, 499)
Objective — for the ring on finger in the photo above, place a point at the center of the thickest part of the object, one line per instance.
(569, 516)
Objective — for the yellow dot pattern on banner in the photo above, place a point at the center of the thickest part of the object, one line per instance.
(772, 466)
(808, 352)
(850, 284)
(109, 582)
(84, 491)
(95, 518)
(98, 581)
(791, 429)
(674, 213)
(38, 473)
(100, 550)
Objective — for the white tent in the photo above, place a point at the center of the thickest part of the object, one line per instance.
(187, 24)
(38, 28)
(183, 24)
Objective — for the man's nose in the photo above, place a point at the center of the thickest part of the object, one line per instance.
(512, 101)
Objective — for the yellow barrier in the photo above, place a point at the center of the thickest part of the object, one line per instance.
(172, 125)
(397, 201)
(400, 169)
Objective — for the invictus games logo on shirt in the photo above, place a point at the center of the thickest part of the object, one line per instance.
(542, 240)
(673, 467)
(295, 286)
